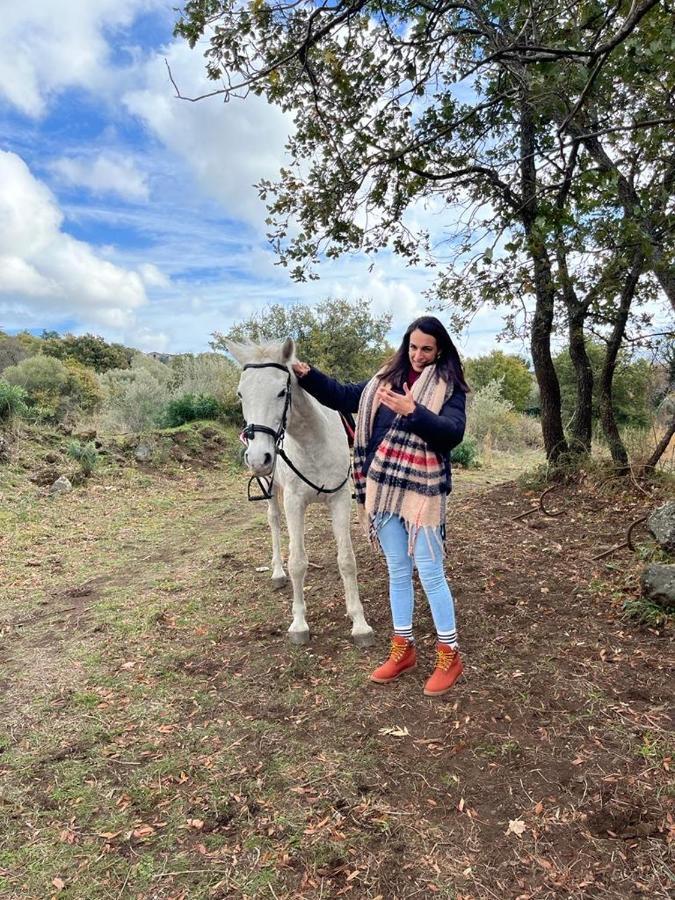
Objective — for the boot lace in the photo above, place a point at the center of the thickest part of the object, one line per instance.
(445, 658)
(398, 651)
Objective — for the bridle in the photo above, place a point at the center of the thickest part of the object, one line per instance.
(266, 482)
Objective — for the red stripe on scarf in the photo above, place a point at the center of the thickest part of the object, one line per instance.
(416, 459)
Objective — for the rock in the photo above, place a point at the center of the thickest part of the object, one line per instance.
(661, 523)
(143, 453)
(61, 486)
(658, 584)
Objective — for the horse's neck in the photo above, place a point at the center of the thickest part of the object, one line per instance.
(307, 421)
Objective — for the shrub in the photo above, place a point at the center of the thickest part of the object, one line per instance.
(85, 454)
(188, 408)
(45, 381)
(38, 375)
(83, 388)
(135, 398)
(12, 401)
(466, 454)
(490, 414)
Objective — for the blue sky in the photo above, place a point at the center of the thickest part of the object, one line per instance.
(131, 214)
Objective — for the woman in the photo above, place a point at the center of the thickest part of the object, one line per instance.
(410, 416)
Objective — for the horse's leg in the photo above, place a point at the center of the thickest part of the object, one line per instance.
(274, 519)
(340, 511)
(294, 508)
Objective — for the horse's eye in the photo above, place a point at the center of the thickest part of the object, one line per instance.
(282, 393)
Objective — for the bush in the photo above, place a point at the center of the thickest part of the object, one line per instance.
(85, 454)
(188, 408)
(38, 375)
(135, 398)
(83, 388)
(45, 381)
(490, 414)
(12, 401)
(466, 454)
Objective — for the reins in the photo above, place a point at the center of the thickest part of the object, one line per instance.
(266, 482)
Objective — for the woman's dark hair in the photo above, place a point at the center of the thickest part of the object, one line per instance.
(448, 361)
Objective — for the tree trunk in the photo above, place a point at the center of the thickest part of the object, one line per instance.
(582, 423)
(607, 417)
(542, 322)
(661, 447)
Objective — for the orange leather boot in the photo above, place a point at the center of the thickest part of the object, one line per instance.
(402, 657)
(448, 669)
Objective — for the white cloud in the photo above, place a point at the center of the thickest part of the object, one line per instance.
(227, 147)
(152, 276)
(109, 172)
(45, 268)
(49, 45)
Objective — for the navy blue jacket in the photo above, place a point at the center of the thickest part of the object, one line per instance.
(442, 432)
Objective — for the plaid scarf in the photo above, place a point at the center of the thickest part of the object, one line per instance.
(405, 477)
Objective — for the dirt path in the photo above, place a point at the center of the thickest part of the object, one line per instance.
(160, 739)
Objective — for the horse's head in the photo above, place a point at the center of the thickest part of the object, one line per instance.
(264, 391)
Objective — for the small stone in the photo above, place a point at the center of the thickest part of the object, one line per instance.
(61, 486)
(143, 453)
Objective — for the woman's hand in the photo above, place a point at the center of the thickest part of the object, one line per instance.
(300, 368)
(401, 404)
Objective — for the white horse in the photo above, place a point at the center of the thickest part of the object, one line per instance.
(302, 446)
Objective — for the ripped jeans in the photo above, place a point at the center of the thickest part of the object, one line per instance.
(428, 558)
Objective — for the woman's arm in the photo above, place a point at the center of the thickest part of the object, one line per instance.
(442, 432)
(328, 391)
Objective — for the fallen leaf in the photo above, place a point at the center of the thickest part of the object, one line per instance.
(516, 826)
(395, 731)
(198, 824)
(59, 883)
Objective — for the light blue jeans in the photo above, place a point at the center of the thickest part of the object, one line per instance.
(393, 537)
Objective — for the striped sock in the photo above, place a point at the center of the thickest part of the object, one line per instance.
(407, 633)
(448, 637)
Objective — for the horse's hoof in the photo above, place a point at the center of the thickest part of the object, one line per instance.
(300, 638)
(278, 583)
(365, 639)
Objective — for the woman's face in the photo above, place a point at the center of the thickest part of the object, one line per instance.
(423, 350)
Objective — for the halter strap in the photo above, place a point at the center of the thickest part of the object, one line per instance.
(266, 484)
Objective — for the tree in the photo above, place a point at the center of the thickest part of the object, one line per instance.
(88, 349)
(513, 372)
(632, 387)
(511, 110)
(344, 339)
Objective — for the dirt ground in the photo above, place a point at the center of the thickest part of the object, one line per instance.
(159, 738)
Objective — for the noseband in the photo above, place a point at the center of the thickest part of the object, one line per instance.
(266, 483)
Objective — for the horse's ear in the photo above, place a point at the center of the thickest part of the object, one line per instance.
(288, 350)
(236, 350)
